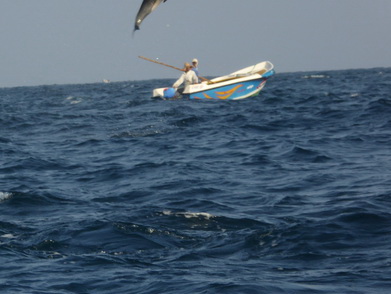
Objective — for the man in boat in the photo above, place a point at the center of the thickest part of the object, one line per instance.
(189, 77)
(195, 68)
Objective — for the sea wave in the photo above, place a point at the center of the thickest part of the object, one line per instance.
(105, 190)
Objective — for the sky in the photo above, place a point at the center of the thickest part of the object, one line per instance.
(85, 41)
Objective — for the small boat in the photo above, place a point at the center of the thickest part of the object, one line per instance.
(241, 84)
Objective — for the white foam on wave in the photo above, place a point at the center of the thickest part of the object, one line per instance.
(8, 236)
(316, 77)
(4, 196)
(204, 215)
(74, 100)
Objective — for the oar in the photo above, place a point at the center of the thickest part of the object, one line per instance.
(174, 67)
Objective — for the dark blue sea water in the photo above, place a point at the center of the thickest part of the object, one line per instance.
(105, 190)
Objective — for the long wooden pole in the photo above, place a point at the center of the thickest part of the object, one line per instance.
(161, 63)
(174, 67)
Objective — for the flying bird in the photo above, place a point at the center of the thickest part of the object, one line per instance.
(146, 8)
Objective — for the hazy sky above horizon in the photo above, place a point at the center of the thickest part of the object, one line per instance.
(83, 41)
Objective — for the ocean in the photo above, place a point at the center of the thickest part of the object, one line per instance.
(105, 190)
